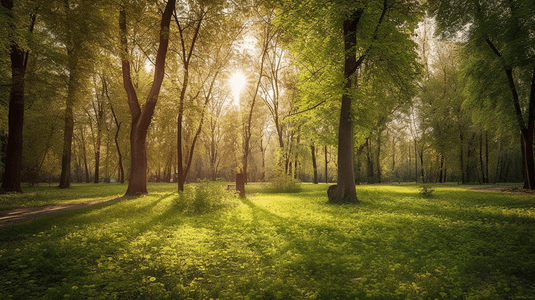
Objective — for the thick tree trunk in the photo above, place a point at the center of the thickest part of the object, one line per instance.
(19, 60)
(65, 178)
(314, 164)
(344, 191)
(137, 183)
(13, 158)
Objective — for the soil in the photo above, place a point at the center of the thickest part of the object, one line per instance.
(505, 190)
(19, 215)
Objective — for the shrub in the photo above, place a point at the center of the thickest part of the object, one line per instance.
(204, 197)
(284, 183)
(426, 192)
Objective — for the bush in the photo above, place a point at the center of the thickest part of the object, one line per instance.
(204, 197)
(426, 192)
(284, 183)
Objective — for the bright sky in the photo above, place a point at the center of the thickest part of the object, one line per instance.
(237, 82)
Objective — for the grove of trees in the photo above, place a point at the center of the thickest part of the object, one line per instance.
(347, 92)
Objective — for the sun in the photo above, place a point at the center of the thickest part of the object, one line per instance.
(237, 83)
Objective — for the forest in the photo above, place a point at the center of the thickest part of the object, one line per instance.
(382, 149)
(322, 91)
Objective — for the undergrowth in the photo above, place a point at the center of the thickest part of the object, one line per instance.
(204, 197)
(393, 245)
(281, 182)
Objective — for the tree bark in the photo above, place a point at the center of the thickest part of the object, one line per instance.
(326, 165)
(345, 191)
(314, 164)
(487, 156)
(99, 114)
(461, 146)
(369, 163)
(137, 181)
(482, 167)
(526, 131)
(13, 159)
(186, 58)
(72, 66)
(378, 159)
(19, 61)
(421, 154)
(441, 174)
(116, 137)
(415, 161)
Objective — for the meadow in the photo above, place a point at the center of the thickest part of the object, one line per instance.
(207, 244)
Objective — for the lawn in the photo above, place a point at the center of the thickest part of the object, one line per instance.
(394, 245)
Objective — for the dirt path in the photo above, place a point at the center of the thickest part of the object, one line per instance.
(496, 189)
(14, 216)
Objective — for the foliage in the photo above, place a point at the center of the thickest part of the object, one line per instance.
(204, 197)
(464, 244)
(426, 192)
(281, 182)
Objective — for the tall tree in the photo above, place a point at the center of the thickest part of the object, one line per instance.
(19, 63)
(501, 65)
(374, 33)
(141, 117)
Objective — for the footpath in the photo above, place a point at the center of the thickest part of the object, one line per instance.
(19, 215)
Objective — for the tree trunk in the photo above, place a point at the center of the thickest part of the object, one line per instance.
(137, 181)
(180, 157)
(441, 174)
(461, 146)
(326, 165)
(526, 131)
(345, 191)
(415, 161)
(421, 154)
(13, 158)
(393, 154)
(482, 167)
(19, 62)
(314, 164)
(378, 158)
(116, 138)
(369, 163)
(65, 178)
(487, 156)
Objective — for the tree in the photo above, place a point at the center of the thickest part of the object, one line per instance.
(201, 62)
(501, 66)
(141, 117)
(19, 62)
(384, 43)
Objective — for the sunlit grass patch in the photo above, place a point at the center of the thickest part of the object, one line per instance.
(394, 245)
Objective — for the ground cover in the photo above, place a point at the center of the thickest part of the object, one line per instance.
(394, 245)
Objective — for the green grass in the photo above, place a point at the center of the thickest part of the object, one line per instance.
(394, 245)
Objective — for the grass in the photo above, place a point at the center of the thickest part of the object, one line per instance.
(394, 245)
